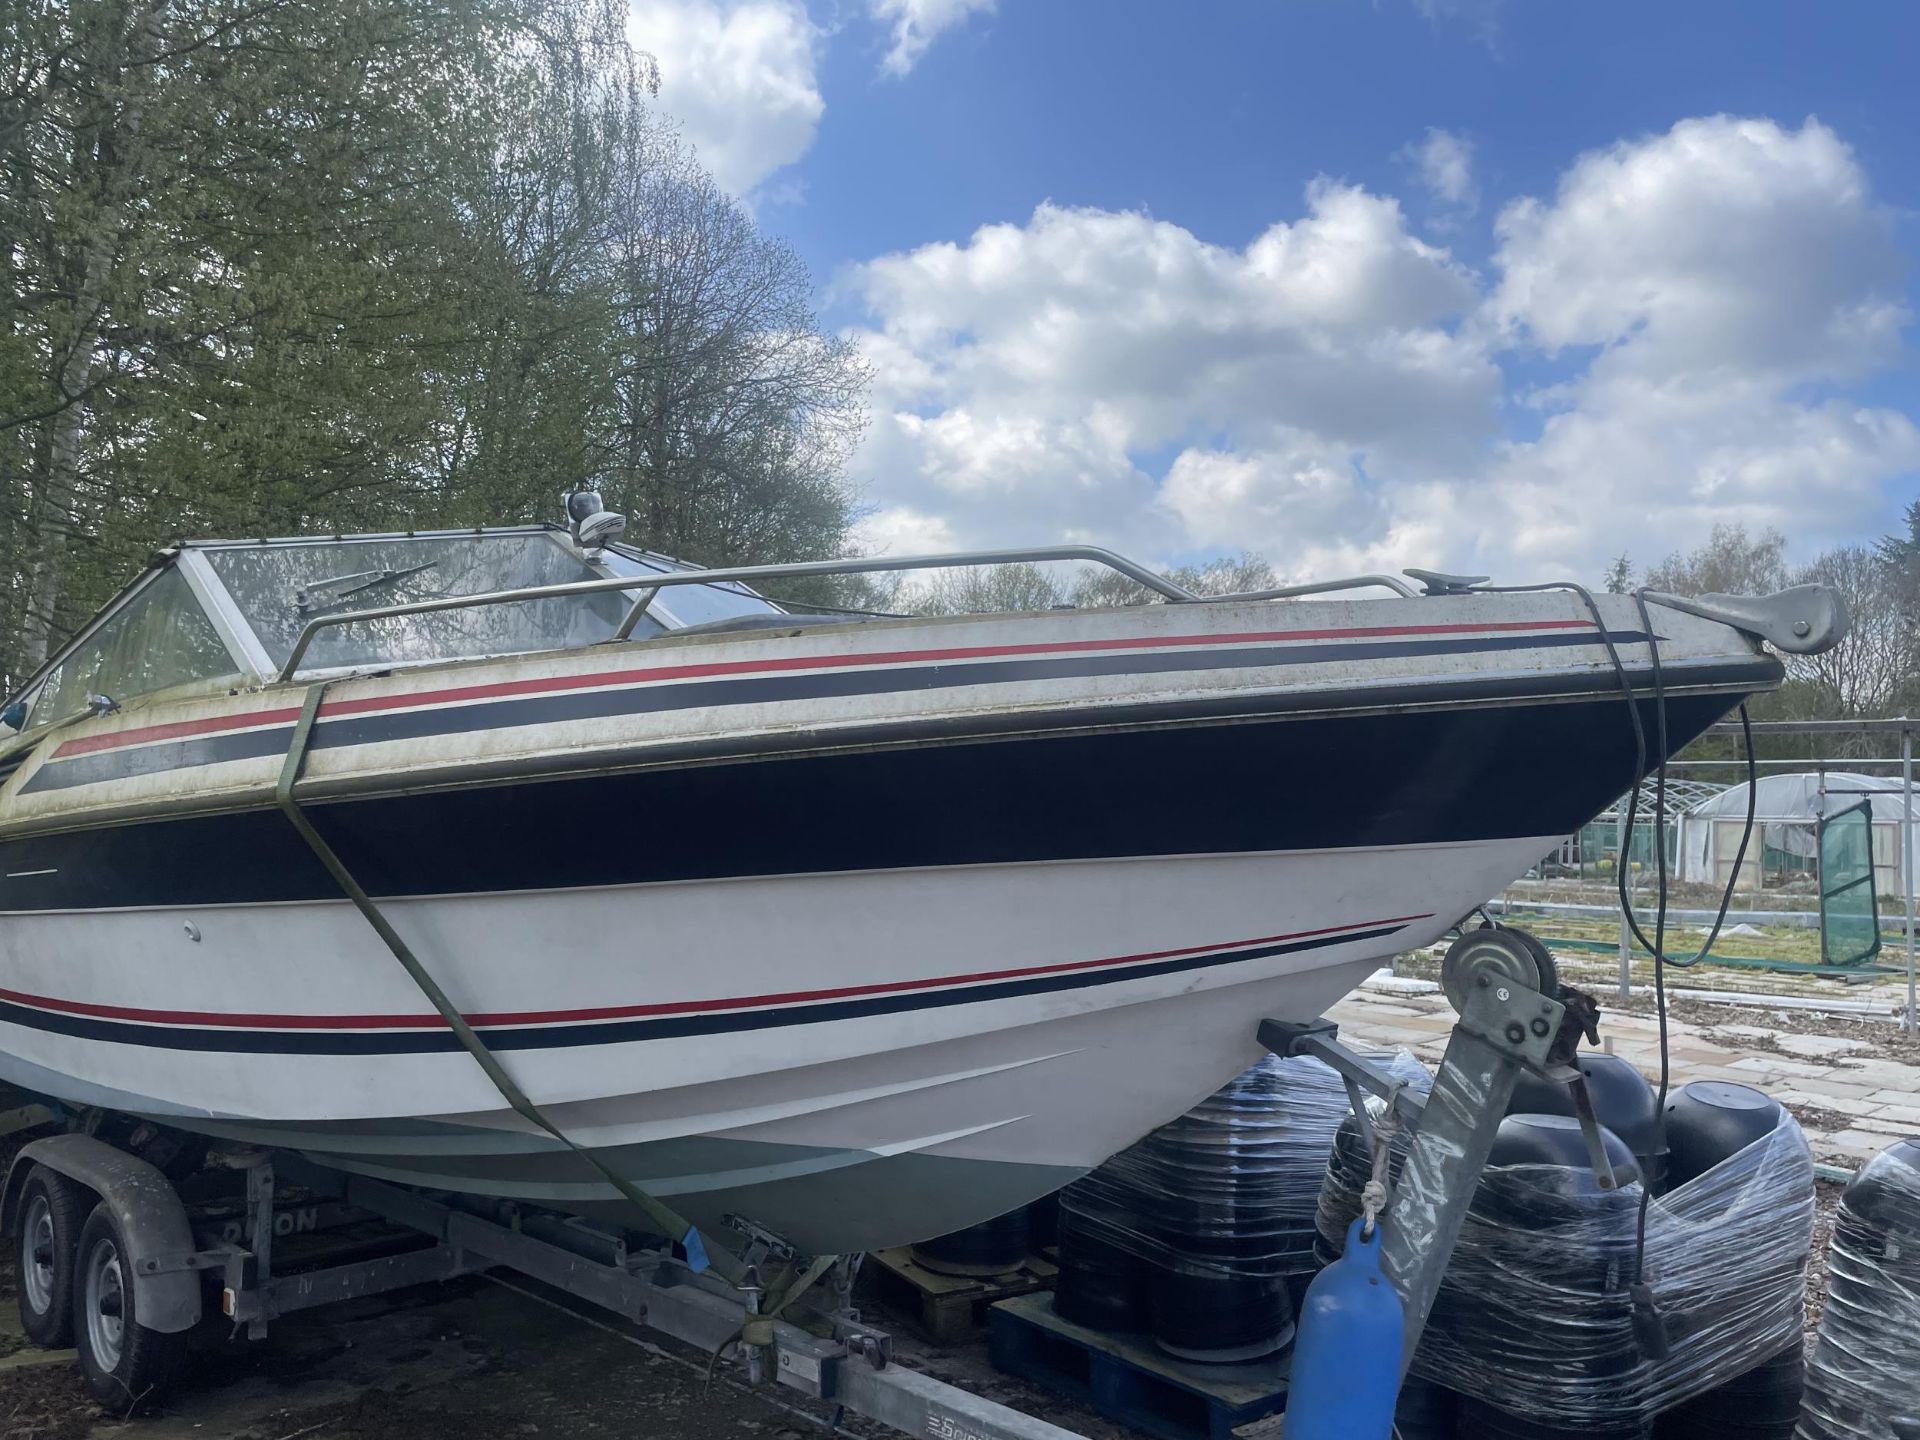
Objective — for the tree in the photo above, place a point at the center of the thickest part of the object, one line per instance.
(734, 412)
(983, 589)
(226, 229)
(1873, 666)
(1730, 563)
(279, 266)
(1619, 579)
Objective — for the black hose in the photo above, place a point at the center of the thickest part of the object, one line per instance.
(1657, 945)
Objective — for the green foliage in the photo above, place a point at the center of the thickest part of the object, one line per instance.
(1090, 587)
(274, 266)
(1873, 673)
(1732, 562)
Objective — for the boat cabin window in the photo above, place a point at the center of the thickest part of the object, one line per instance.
(159, 639)
(279, 588)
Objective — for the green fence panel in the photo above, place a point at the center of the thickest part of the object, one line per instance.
(1849, 914)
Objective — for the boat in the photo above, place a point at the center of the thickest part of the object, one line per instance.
(862, 928)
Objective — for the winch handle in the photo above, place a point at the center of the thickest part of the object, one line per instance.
(1610, 1176)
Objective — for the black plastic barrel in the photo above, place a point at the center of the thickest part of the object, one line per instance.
(1349, 1168)
(993, 1247)
(1425, 1411)
(1713, 1120)
(1230, 1189)
(1865, 1370)
(1480, 1421)
(1043, 1222)
(1229, 1229)
(1102, 1282)
(1763, 1404)
(1556, 1140)
(1623, 1101)
(1565, 1366)
(1219, 1309)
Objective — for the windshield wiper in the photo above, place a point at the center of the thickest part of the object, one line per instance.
(307, 597)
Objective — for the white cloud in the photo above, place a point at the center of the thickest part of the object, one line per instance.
(1715, 271)
(1332, 393)
(739, 76)
(915, 24)
(1296, 486)
(1021, 375)
(1723, 243)
(1444, 163)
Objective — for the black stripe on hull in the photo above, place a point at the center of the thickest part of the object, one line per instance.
(429, 722)
(1311, 783)
(613, 1032)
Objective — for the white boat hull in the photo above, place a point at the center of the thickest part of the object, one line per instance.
(1038, 1087)
(866, 933)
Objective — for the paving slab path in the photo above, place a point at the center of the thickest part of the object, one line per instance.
(1851, 1105)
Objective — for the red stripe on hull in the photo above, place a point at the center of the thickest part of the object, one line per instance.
(422, 699)
(220, 1020)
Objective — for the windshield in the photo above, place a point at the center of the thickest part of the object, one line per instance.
(279, 588)
(688, 604)
(158, 640)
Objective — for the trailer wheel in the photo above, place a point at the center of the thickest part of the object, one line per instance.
(52, 1210)
(125, 1364)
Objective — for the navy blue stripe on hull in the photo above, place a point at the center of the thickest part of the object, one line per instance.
(1310, 783)
(557, 708)
(613, 1032)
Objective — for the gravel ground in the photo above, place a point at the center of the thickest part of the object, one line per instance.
(463, 1361)
(46, 1403)
(1826, 1204)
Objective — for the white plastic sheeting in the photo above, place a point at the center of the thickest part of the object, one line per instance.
(1787, 814)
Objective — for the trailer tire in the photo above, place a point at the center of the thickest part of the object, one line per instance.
(126, 1365)
(52, 1210)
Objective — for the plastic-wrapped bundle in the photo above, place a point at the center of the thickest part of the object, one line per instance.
(1706, 1123)
(1553, 1148)
(1350, 1166)
(1623, 1101)
(1864, 1376)
(1762, 1404)
(1534, 1319)
(1103, 1279)
(1219, 1208)
(1425, 1411)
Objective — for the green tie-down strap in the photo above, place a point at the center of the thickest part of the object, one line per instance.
(662, 1218)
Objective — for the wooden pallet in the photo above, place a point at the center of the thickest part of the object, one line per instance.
(1126, 1379)
(949, 1308)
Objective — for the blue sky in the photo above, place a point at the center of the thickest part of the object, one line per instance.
(1473, 285)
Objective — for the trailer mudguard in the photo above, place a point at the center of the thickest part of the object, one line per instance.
(148, 1210)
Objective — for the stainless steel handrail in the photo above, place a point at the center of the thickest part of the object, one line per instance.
(1321, 587)
(650, 585)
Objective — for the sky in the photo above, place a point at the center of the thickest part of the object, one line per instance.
(1486, 287)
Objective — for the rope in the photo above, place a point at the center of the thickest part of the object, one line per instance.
(661, 1217)
(1377, 1192)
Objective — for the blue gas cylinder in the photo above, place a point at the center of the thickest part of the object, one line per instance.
(1346, 1353)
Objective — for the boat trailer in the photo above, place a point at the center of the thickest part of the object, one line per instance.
(1514, 1017)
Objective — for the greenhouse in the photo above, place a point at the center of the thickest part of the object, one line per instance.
(1788, 810)
(1595, 850)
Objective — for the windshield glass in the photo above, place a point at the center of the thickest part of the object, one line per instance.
(159, 639)
(279, 588)
(689, 604)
